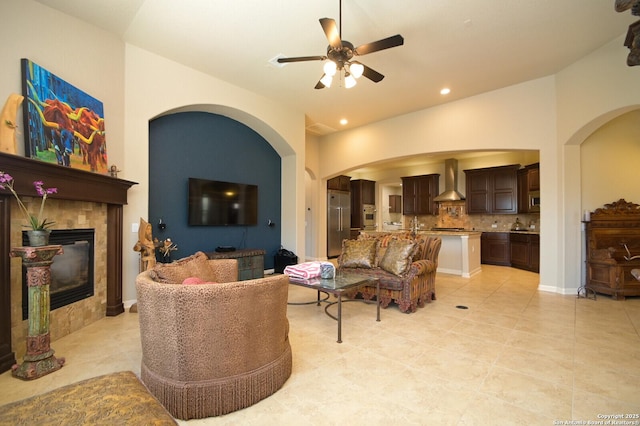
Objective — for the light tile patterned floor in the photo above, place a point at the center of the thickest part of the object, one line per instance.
(516, 356)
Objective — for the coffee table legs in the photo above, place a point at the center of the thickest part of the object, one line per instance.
(337, 291)
(378, 299)
(339, 303)
(340, 318)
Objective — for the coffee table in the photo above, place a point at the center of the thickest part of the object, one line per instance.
(343, 281)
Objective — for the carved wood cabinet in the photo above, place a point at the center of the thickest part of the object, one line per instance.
(613, 250)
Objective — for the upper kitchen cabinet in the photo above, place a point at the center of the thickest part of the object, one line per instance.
(418, 193)
(340, 183)
(363, 192)
(529, 189)
(492, 190)
(395, 203)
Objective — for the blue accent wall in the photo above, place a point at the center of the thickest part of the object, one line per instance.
(209, 146)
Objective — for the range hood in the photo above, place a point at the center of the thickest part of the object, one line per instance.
(450, 182)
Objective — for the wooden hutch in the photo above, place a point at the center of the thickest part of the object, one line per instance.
(613, 250)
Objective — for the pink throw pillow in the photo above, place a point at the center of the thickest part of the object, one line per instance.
(192, 280)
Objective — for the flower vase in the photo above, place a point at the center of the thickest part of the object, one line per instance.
(39, 237)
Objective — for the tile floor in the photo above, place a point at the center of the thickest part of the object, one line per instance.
(515, 356)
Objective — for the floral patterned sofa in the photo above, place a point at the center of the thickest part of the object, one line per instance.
(404, 264)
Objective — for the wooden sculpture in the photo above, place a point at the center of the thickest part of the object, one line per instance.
(8, 124)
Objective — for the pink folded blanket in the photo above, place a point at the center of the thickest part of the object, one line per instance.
(304, 270)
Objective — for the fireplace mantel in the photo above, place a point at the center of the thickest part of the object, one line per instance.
(74, 185)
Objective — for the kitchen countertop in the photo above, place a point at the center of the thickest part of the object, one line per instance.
(510, 231)
(427, 231)
(453, 233)
(465, 232)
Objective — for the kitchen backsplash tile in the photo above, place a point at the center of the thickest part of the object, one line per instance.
(452, 214)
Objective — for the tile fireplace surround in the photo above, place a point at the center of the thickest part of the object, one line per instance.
(84, 200)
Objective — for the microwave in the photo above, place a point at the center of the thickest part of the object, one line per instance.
(534, 201)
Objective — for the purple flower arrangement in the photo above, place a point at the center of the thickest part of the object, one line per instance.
(36, 223)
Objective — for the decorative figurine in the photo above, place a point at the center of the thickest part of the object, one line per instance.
(146, 245)
(167, 247)
(113, 171)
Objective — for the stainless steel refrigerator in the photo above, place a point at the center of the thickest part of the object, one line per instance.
(338, 220)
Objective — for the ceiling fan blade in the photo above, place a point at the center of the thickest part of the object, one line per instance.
(320, 85)
(372, 74)
(385, 43)
(301, 59)
(331, 31)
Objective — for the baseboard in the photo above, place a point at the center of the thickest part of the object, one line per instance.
(127, 303)
(558, 290)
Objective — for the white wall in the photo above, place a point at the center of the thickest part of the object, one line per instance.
(311, 200)
(610, 163)
(66, 47)
(592, 91)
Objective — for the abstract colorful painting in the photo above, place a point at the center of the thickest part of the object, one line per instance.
(62, 124)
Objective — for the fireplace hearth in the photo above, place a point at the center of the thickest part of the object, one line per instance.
(72, 273)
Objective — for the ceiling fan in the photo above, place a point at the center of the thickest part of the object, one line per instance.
(340, 54)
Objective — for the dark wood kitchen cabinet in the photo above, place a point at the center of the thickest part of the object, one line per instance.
(340, 183)
(528, 184)
(418, 193)
(525, 251)
(395, 203)
(362, 192)
(494, 248)
(492, 190)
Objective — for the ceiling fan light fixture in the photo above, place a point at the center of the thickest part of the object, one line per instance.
(326, 80)
(349, 81)
(330, 68)
(340, 52)
(356, 69)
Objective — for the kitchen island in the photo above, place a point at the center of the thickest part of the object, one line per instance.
(459, 254)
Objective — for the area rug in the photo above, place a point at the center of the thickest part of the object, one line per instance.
(113, 399)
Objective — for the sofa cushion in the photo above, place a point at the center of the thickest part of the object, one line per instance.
(387, 280)
(358, 254)
(176, 272)
(383, 242)
(398, 256)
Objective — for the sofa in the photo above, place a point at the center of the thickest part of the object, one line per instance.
(211, 344)
(405, 265)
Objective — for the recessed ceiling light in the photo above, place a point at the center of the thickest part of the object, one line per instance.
(344, 121)
(445, 91)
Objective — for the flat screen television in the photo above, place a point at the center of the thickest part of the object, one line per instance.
(216, 203)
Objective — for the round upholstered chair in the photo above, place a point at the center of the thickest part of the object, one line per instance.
(212, 348)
